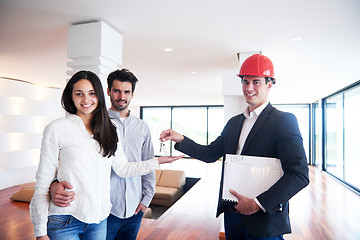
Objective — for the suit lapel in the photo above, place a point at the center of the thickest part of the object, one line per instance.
(235, 135)
(264, 115)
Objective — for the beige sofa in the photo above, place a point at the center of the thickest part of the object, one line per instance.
(169, 187)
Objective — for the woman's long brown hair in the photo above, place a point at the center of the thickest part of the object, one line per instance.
(102, 127)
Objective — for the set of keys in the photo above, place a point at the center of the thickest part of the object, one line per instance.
(163, 149)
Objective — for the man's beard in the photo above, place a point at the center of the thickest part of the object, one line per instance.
(118, 107)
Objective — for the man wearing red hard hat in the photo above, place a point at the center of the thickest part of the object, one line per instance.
(262, 131)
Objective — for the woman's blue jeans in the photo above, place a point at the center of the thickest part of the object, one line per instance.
(66, 227)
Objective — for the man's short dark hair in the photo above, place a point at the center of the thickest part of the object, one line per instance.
(123, 75)
(267, 79)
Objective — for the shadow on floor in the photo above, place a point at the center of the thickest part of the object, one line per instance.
(158, 210)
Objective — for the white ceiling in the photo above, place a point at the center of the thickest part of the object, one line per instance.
(206, 36)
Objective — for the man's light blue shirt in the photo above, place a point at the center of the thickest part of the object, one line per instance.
(127, 193)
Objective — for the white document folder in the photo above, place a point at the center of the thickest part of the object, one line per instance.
(249, 176)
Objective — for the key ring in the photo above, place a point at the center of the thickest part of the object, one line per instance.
(163, 149)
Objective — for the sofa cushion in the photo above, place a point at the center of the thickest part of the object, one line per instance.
(23, 195)
(158, 175)
(172, 178)
(165, 193)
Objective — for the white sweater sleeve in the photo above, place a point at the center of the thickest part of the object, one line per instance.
(47, 170)
(124, 168)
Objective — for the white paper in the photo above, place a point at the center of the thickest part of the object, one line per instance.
(249, 176)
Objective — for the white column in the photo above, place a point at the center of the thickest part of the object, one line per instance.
(234, 101)
(95, 47)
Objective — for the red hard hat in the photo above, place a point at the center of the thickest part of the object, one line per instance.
(257, 65)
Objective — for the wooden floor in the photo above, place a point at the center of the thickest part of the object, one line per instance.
(15, 221)
(325, 210)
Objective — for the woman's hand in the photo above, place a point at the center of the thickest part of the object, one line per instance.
(162, 160)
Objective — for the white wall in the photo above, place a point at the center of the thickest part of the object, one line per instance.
(25, 109)
(135, 110)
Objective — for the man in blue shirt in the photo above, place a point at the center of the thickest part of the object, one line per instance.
(129, 196)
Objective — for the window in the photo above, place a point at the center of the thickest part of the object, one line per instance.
(317, 122)
(201, 123)
(215, 123)
(351, 136)
(191, 122)
(341, 114)
(158, 119)
(334, 135)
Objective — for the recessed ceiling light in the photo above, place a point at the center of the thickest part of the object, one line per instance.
(193, 72)
(168, 49)
(296, 38)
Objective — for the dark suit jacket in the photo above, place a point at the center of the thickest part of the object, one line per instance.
(274, 134)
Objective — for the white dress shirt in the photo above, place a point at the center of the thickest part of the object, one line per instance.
(249, 121)
(71, 154)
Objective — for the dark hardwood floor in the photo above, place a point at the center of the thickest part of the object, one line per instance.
(325, 210)
(15, 221)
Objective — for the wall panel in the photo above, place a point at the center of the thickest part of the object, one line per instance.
(25, 109)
